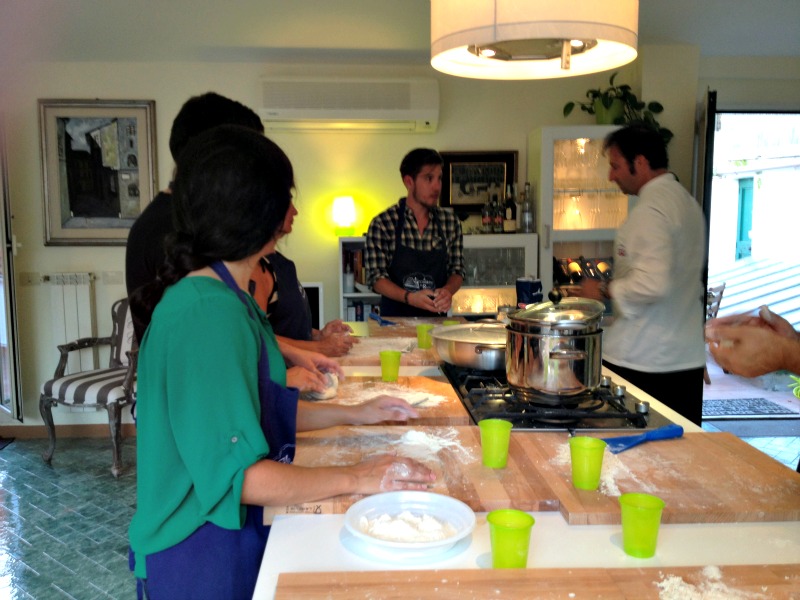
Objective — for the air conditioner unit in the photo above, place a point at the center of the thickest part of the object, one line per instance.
(380, 105)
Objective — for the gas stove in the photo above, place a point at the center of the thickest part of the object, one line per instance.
(487, 395)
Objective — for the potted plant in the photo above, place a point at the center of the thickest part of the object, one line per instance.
(618, 105)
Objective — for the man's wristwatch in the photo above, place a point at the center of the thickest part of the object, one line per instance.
(405, 298)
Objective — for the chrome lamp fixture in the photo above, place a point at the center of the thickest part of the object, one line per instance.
(532, 39)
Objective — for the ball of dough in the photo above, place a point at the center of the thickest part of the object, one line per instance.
(331, 387)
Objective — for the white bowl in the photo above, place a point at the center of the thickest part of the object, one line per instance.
(442, 508)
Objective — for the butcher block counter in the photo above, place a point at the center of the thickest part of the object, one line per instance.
(433, 397)
(401, 336)
(730, 528)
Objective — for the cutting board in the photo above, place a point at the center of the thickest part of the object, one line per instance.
(406, 326)
(664, 583)
(366, 353)
(702, 478)
(457, 464)
(443, 406)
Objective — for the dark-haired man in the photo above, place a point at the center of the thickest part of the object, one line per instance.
(415, 249)
(145, 251)
(656, 339)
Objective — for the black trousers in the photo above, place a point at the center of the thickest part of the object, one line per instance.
(682, 391)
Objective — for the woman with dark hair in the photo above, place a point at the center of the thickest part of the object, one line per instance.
(216, 424)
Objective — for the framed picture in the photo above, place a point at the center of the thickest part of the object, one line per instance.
(98, 167)
(470, 178)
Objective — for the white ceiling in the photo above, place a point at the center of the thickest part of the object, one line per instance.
(368, 31)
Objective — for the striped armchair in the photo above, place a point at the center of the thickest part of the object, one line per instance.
(112, 388)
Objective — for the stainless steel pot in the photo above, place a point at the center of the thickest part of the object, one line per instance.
(474, 345)
(555, 348)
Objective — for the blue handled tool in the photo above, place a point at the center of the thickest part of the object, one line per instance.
(383, 322)
(619, 444)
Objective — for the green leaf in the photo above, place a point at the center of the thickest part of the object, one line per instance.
(568, 108)
(655, 107)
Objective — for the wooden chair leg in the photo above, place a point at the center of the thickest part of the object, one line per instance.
(115, 425)
(45, 409)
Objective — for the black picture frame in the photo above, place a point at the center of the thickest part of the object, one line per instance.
(98, 168)
(469, 177)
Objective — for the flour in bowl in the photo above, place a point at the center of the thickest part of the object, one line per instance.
(407, 527)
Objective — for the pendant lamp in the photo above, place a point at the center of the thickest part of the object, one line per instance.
(532, 39)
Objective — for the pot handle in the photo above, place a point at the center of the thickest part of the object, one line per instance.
(480, 348)
(568, 355)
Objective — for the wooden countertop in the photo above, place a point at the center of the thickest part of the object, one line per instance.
(437, 402)
(673, 583)
(702, 477)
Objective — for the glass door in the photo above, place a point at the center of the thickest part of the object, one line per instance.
(9, 354)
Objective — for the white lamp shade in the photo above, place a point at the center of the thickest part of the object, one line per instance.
(344, 211)
(458, 24)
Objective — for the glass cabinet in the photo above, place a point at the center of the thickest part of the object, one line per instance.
(579, 210)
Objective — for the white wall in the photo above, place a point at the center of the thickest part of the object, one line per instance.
(475, 115)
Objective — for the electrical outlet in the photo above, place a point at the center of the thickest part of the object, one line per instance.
(29, 278)
(112, 277)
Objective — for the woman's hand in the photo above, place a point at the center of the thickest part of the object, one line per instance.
(305, 380)
(387, 473)
(313, 361)
(383, 408)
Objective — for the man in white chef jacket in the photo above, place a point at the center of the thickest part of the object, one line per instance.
(656, 340)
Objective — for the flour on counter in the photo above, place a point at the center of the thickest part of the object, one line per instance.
(358, 392)
(673, 587)
(421, 445)
(407, 527)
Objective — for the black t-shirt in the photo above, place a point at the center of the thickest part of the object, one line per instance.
(145, 251)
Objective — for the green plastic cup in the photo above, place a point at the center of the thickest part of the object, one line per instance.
(451, 322)
(495, 435)
(587, 461)
(390, 365)
(641, 518)
(424, 340)
(510, 535)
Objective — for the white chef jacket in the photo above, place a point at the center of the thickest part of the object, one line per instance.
(657, 290)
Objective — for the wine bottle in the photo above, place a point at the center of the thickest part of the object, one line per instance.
(527, 224)
(497, 215)
(486, 217)
(510, 217)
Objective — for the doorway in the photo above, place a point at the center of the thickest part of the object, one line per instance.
(10, 396)
(753, 211)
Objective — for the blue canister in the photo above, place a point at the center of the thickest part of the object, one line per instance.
(529, 291)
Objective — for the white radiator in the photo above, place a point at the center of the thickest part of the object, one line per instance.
(72, 305)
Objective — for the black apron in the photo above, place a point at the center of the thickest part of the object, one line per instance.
(415, 270)
(230, 570)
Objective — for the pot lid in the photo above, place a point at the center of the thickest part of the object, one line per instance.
(569, 312)
(473, 333)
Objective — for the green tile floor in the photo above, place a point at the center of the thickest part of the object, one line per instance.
(63, 529)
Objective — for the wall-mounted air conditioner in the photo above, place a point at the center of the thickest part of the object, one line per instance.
(381, 105)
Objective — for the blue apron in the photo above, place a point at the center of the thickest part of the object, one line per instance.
(214, 562)
(413, 269)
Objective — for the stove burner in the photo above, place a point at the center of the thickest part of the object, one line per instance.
(487, 395)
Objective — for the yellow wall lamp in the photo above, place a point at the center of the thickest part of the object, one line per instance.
(344, 215)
